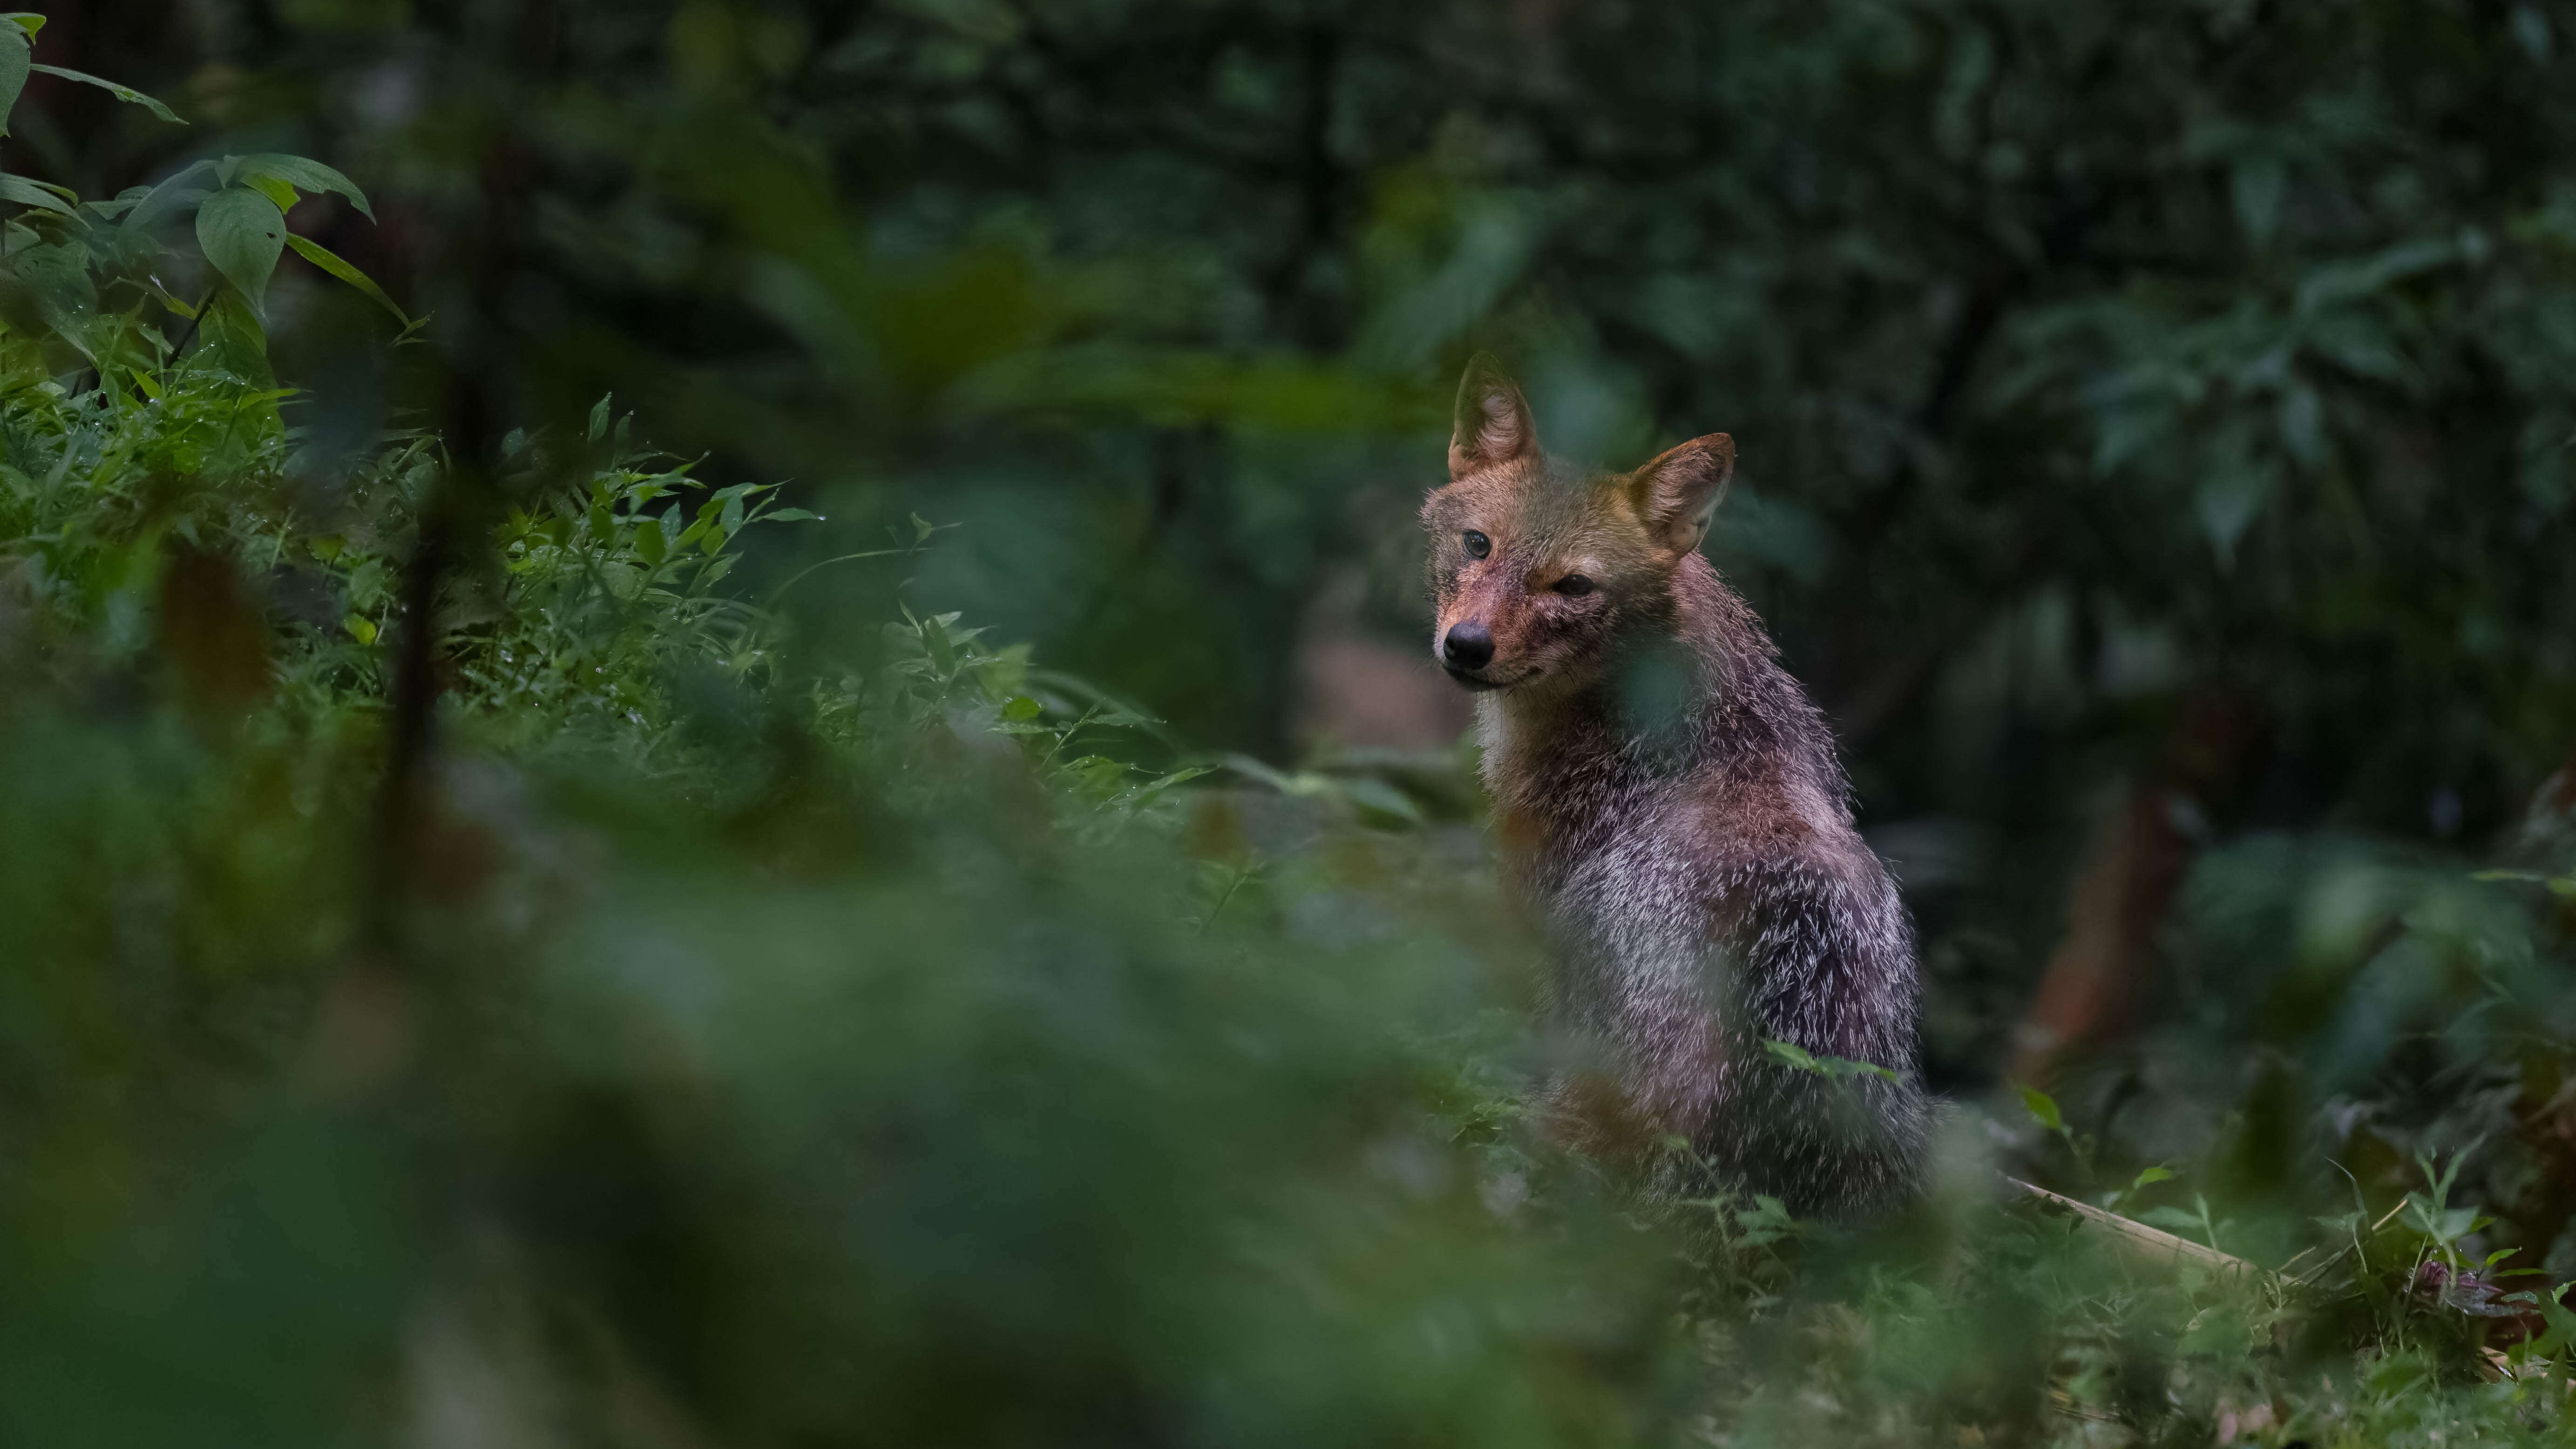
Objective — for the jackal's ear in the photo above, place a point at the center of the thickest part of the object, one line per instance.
(1493, 420)
(1677, 492)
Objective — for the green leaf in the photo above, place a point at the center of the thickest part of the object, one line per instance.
(171, 196)
(367, 584)
(27, 20)
(243, 233)
(1792, 1055)
(2152, 1174)
(322, 256)
(1146, 793)
(2044, 1107)
(2553, 1311)
(1022, 709)
(1377, 798)
(15, 60)
(230, 337)
(28, 193)
(934, 637)
(788, 515)
(651, 544)
(274, 189)
(304, 174)
(360, 627)
(599, 418)
(2561, 885)
(123, 93)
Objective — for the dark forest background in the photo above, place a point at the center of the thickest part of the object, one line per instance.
(2158, 426)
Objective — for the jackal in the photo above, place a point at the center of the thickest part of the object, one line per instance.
(1670, 804)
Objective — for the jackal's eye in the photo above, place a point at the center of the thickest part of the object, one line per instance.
(1478, 545)
(1573, 586)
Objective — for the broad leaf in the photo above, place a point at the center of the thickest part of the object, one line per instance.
(28, 193)
(123, 93)
(274, 189)
(304, 174)
(46, 287)
(15, 59)
(322, 256)
(171, 196)
(230, 339)
(243, 233)
(26, 20)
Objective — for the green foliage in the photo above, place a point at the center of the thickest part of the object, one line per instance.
(83, 277)
(498, 944)
(1197, 1172)
(869, 1027)
(1795, 1057)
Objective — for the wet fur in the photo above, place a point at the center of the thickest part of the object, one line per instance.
(1670, 803)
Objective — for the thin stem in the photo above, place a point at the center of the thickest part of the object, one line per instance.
(800, 574)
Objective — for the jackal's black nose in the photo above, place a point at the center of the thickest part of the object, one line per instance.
(1468, 646)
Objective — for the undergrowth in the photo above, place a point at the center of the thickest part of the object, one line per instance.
(918, 1012)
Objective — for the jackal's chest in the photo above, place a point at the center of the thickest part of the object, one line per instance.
(1623, 897)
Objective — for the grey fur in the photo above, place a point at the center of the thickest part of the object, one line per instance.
(1698, 868)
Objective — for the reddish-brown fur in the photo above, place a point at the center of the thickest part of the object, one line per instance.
(1670, 802)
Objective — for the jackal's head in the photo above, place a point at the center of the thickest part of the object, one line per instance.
(1539, 569)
